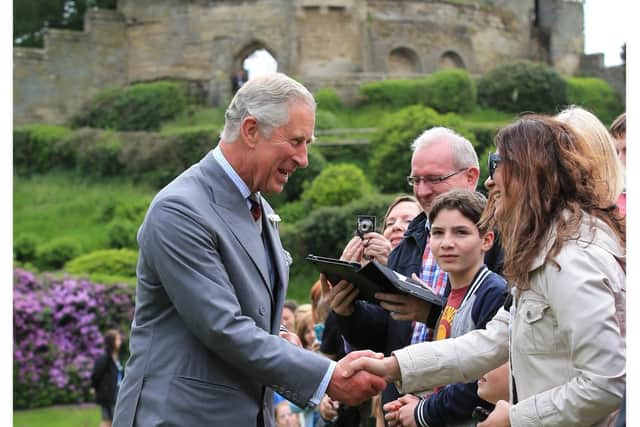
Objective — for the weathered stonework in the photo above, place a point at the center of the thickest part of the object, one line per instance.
(340, 43)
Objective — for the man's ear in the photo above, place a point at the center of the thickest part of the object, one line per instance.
(472, 174)
(487, 240)
(249, 131)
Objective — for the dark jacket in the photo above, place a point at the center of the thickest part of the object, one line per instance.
(104, 379)
(371, 327)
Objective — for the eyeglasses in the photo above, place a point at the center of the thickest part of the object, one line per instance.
(493, 160)
(433, 180)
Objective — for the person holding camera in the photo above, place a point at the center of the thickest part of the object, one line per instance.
(368, 245)
(106, 376)
(442, 160)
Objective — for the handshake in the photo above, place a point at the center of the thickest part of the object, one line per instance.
(361, 375)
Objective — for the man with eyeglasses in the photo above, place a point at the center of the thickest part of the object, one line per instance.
(442, 160)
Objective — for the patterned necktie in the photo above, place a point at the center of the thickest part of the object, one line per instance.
(256, 212)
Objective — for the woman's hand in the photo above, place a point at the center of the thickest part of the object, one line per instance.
(377, 247)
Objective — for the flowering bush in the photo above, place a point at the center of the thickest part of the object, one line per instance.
(57, 335)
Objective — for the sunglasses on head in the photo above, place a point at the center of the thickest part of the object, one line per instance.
(494, 161)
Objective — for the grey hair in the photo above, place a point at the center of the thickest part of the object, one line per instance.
(464, 155)
(266, 98)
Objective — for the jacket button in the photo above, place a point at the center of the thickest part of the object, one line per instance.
(261, 310)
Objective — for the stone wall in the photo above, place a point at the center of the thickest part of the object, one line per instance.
(342, 42)
(52, 83)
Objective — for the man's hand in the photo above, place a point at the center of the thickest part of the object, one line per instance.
(499, 417)
(339, 297)
(328, 408)
(358, 386)
(404, 306)
(400, 412)
(387, 368)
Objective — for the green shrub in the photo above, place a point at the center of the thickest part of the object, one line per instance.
(300, 179)
(294, 211)
(391, 145)
(24, 248)
(39, 148)
(122, 234)
(450, 91)
(157, 159)
(596, 96)
(326, 120)
(445, 91)
(393, 93)
(523, 86)
(111, 262)
(327, 99)
(99, 157)
(53, 255)
(337, 185)
(141, 106)
(325, 231)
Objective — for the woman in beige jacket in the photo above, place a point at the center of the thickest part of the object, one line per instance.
(564, 255)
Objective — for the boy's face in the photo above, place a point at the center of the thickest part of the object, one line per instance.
(456, 242)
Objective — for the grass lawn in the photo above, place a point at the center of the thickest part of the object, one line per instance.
(64, 205)
(58, 416)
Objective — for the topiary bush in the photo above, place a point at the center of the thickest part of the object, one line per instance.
(40, 148)
(391, 145)
(142, 106)
(327, 99)
(53, 255)
(57, 335)
(111, 262)
(449, 91)
(596, 96)
(523, 86)
(337, 185)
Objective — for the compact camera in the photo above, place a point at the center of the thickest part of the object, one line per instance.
(365, 224)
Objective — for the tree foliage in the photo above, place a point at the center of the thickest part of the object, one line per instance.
(31, 18)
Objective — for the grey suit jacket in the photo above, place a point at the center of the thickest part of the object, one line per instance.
(204, 343)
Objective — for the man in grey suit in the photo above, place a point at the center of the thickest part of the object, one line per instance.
(212, 278)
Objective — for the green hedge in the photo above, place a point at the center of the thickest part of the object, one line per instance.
(391, 145)
(394, 93)
(596, 96)
(111, 262)
(38, 148)
(146, 157)
(445, 91)
(141, 106)
(523, 86)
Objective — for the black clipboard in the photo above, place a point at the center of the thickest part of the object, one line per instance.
(373, 277)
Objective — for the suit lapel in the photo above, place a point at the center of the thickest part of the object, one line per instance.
(270, 230)
(234, 212)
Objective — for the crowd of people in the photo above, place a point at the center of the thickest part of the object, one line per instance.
(532, 279)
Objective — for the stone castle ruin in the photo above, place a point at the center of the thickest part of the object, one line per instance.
(336, 43)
